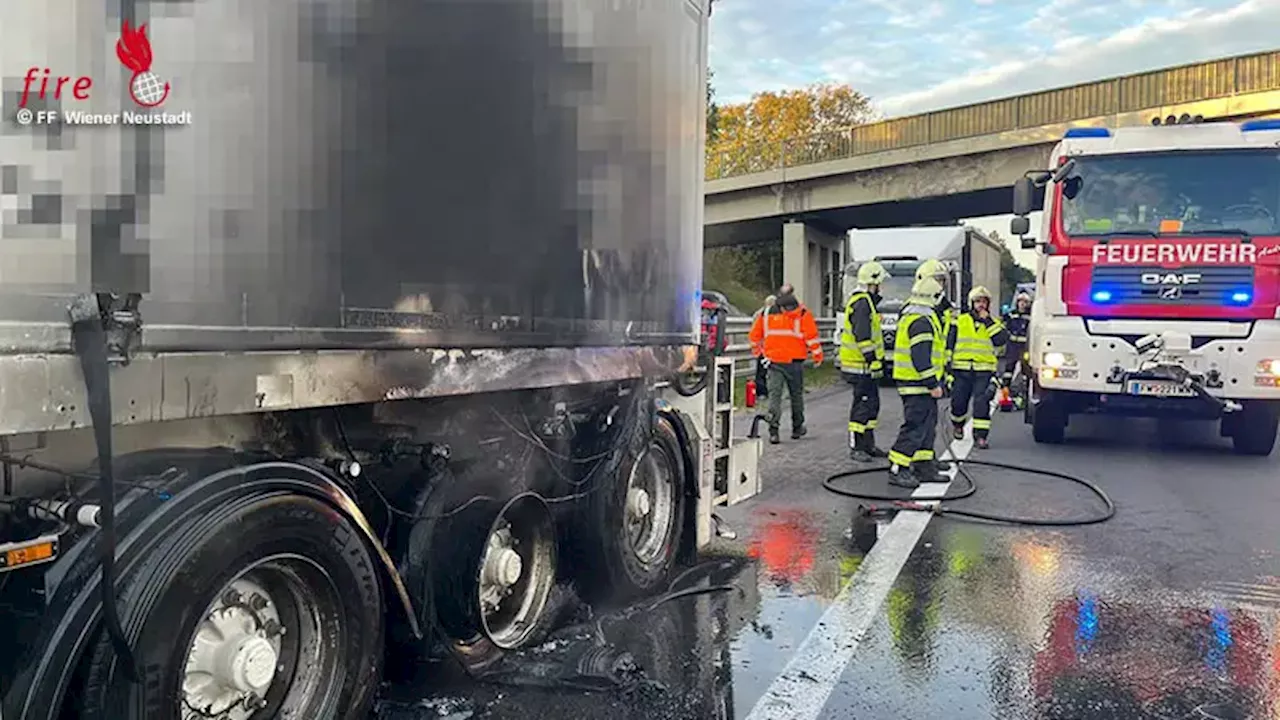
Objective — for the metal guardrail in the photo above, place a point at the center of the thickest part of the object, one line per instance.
(1171, 86)
(737, 328)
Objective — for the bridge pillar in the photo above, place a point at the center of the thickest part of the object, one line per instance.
(813, 261)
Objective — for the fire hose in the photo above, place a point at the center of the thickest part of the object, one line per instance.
(938, 506)
(1159, 369)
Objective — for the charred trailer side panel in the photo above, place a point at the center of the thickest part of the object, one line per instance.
(360, 174)
(440, 178)
(395, 273)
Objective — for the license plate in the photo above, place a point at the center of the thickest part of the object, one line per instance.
(1157, 388)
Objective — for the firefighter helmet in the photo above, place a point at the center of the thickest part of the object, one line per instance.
(931, 268)
(927, 290)
(979, 292)
(872, 273)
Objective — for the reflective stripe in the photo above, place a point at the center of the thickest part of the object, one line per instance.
(793, 332)
(872, 423)
(922, 455)
(899, 459)
(855, 427)
(980, 424)
(960, 419)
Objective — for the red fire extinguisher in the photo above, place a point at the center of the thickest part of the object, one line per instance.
(751, 393)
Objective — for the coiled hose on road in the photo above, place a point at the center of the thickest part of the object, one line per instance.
(936, 505)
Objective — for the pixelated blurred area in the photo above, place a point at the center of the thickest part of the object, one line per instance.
(476, 171)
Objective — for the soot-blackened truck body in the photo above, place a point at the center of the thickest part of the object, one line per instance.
(357, 174)
(366, 257)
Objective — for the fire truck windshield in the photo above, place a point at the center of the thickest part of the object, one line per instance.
(1185, 192)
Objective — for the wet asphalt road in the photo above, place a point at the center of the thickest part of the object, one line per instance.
(1170, 610)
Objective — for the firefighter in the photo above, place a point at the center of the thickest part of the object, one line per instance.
(919, 367)
(862, 360)
(973, 340)
(1018, 322)
(785, 336)
(937, 270)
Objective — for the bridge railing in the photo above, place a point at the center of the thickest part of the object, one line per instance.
(1185, 84)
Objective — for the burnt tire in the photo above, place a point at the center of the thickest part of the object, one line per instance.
(615, 565)
(322, 588)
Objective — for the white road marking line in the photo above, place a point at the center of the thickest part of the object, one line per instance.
(802, 689)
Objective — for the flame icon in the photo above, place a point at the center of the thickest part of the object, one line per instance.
(134, 50)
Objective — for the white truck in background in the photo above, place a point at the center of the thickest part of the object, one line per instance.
(973, 258)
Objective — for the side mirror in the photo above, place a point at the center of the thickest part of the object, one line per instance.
(1023, 190)
(1020, 225)
(1064, 170)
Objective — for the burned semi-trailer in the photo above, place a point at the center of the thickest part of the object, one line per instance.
(366, 355)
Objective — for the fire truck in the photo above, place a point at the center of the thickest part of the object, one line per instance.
(1158, 276)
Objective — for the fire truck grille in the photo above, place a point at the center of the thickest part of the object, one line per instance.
(1151, 285)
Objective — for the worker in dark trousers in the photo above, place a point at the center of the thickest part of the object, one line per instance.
(946, 311)
(862, 360)
(786, 335)
(919, 367)
(973, 340)
(1018, 322)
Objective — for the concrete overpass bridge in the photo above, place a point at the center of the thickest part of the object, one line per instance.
(946, 165)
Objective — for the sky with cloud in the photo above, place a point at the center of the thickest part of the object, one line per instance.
(919, 55)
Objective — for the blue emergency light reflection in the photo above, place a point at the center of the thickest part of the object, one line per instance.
(1086, 622)
(1102, 296)
(1240, 297)
(1216, 653)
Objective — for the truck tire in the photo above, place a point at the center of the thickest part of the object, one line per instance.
(630, 540)
(1254, 432)
(1048, 422)
(272, 600)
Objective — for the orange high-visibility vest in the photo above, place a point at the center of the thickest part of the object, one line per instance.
(784, 337)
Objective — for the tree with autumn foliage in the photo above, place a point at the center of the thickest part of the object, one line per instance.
(788, 127)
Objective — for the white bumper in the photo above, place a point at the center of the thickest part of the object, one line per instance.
(1092, 350)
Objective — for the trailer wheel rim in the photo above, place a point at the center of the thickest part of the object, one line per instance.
(650, 504)
(263, 643)
(517, 571)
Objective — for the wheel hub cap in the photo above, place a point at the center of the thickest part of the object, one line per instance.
(248, 666)
(501, 569)
(638, 503)
(233, 658)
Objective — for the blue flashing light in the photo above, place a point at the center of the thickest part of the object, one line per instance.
(1101, 296)
(1258, 125)
(1240, 297)
(1087, 132)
